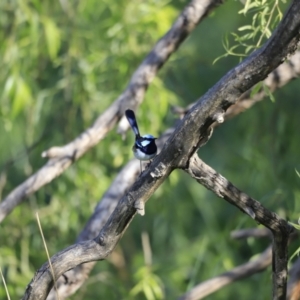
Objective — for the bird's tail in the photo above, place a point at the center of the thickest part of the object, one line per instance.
(132, 121)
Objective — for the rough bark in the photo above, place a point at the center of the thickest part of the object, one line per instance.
(177, 153)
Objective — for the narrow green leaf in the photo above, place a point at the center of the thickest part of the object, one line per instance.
(22, 97)
(246, 27)
(269, 93)
(53, 37)
(256, 89)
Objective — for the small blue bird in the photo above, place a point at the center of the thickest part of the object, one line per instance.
(144, 147)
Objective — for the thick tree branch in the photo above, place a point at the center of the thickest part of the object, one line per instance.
(178, 151)
(284, 74)
(70, 281)
(62, 157)
(75, 277)
(280, 229)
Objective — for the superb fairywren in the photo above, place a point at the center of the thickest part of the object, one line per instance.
(144, 147)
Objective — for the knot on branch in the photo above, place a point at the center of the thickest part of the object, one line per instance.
(158, 171)
(249, 211)
(139, 205)
(56, 152)
(219, 116)
(53, 152)
(101, 240)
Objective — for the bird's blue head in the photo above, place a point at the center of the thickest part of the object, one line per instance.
(149, 137)
(146, 140)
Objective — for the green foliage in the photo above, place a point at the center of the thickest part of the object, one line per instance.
(264, 17)
(62, 64)
(147, 283)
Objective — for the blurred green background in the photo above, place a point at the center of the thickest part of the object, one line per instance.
(61, 64)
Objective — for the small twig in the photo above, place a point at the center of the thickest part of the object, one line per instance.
(248, 269)
(212, 285)
(4, 283)
(47, 252)
(21, 154)
(146, 248)
(294, 282)
(251, 232)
